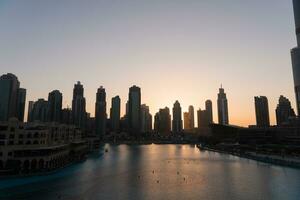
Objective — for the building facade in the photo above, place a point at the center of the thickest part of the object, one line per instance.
(222, 107)
(284, 111)
(78, 106)
(115, 113)
(134, 110)
(262, 111)
(177, 118)
(100, 112)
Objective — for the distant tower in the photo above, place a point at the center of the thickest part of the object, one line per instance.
(100, 112)
(284, 111)
(29, 112)
(191, 117)
(177, 118)
(54, 106)
(115, 113)
(295, 54)
(146, 119)
(78, 106)
(162, 123)
(222, 107)
(12, 98)
(39, 111)
(203, 118)
(262, 111)
(134, 110)
(209, 110)
(186, 121)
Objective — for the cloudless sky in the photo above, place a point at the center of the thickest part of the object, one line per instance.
(173, 49)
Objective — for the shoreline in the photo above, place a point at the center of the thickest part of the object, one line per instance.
(269, 159)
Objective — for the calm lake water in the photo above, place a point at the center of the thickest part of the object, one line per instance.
(159, 172)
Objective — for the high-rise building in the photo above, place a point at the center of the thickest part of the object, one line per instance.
(115, 111)
(146, 119)
(284, 111)
(54, 106)
(262, 111)
(100, 112)
(78, 106)
(162, 122)
(209, 110)
(186, 121)
(30, 108)
(203, 118)
(191, 117)
(12, 98)
(39, 111)
(134, 110)
(177, 118)
(66, 116)
(21, 101)
(222, 107)
(295, 54)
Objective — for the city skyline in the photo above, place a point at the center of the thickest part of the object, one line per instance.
(156, 73)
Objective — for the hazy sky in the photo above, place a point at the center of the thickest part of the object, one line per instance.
(172, 49)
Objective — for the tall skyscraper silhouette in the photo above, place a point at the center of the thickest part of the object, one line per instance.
(12, 98)
(29, 111)
(203, 118)
(39, 111)
(21, 101)
(284, 111)
(262, 111)
(162, 121)
(186, 121)
(115, 111)
(54, 106)
(78, 106)
(295, 53)
(100, 112)
(177, 118)
(191, 117)
(222, 107)
(134, 110)
(146, 119)
(209, 110)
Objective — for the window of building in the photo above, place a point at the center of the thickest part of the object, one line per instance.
(12, 129)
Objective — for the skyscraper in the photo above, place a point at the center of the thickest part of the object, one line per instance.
(115, 111)
(134, 110)
(162, 123)
(209, 111)
(262, 111)
(186, 121)
(177, 118)
(12, 98)
(295, 54)
(191, 117)
(222, 107)
(203, 118)
(39, 111)
(29, 112)
(100, 112)
(78, 106)
(146, 119)
(54, 106)
(21, 101)
(284, 111)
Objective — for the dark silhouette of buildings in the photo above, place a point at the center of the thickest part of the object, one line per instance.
(222, 107)
(262, 111)
(12, 98)
(115, 111)
(284, 111)
(295, 54)
(134, 110)
(54, 106)
(146, 119)
(162, 122)
(186, 121)
(177, 118)
(191, 117)
(29, 112)
(78, 106)
(203, 118)
(66, 116)
(100, 112)
(39, 111)
(209, 110)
